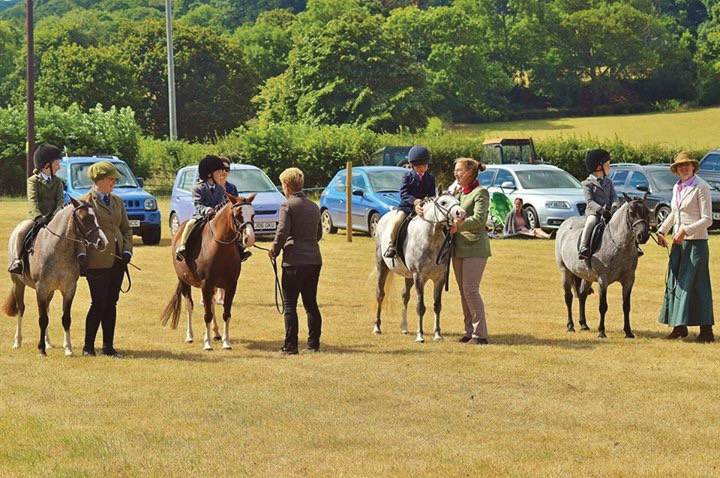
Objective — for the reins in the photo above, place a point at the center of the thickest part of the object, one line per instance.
(278, 287)
(236, 228)
(78, 226)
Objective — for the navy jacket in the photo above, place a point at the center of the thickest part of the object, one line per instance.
(205, 198)
(412, 188)
(231, 189)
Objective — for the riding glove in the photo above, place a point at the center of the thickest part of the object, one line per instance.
(126, 257)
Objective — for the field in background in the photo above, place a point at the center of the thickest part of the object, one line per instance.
(697, 129)
(536, 402)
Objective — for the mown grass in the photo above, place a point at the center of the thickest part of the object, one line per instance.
(695, 129)
(536, 402)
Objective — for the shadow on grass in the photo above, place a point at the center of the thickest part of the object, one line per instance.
(200, 356)
(564, 343)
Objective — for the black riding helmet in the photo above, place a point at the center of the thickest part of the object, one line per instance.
(208, 165)
(44, 154)
(595, 159)
(418, 155)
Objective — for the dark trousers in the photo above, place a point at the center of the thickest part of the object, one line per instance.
(104, 293)
(296, 281)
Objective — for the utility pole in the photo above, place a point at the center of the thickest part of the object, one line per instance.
(171, 71)
(30, 88)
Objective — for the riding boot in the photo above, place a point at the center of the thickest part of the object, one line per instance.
(16, 267)
(584, 252)
(246, 255)
(677, 332)
(180, 251)
(706, 334)
(400, 216)
(390, 252)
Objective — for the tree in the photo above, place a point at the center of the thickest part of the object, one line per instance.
(9, 51)
(268, 42)
(213, 82)
(87, 76)
(450, 45)
(707, 57)
(349, 70)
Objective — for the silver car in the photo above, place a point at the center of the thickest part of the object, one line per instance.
(550, 195)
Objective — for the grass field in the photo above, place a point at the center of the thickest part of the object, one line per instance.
(535, 402)
(696, 129)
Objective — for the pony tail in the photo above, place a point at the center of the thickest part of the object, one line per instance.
(172, 310)
(11, 305)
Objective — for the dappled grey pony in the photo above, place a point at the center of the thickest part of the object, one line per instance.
(422, 244)
(53, 266)
(614, 261)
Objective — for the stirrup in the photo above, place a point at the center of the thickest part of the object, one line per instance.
(16, 267)
(246, 256)
(584, 254)
(180, 253)
(390, 252)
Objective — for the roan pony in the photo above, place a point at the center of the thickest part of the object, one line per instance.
(422, 245)
(614, 261)
(53, 266)
(213, 262)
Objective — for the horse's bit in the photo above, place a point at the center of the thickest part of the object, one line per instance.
(237, 226)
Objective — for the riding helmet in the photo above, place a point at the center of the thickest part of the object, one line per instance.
(208, 165)
(418, 155)
(102, 170)
(44, 154)
(595, 159)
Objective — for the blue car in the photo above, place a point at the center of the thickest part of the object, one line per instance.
(376, 190)
(248, 180)
(141, 206)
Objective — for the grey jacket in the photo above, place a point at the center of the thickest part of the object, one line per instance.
(298, 232)
(205, 198)
(509, 228)
(599, 195)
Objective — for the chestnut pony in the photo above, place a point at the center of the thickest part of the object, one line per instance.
(213, 261)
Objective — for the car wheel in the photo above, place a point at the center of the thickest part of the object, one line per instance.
(174, 223)
(660, 215)
(373, 222)
(151, 237)
(533, 218)
(327, 224)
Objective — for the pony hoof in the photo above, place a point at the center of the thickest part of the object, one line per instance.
(438, 338)
(189, 341)
(69, 353)
(629, 335)
(602, 335)
(584, 327)
(377, 331)
(42, 353)
(571, 329)
(405, 332)
(48, 345)
(227, 347)
(16, 346)
(208, 348)
(420, 340)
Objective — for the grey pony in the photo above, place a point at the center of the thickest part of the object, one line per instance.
(422, 244)
(53, 266)
(615, 260)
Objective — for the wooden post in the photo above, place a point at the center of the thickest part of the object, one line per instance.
(348, 212)
(30, 89)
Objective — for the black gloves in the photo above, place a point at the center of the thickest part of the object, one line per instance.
(126, 257)
(606, 215)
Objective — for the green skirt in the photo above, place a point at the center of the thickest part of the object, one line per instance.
(688, 295)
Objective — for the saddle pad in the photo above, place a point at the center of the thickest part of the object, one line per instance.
(196, 233)
(402, 235)
(595, 237)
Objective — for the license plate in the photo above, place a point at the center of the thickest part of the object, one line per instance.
(134, 222)
(716, 215)
(265, 225)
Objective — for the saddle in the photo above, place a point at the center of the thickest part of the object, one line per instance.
(196, 233)
(29, 241)
(595, 237)
(401, 236)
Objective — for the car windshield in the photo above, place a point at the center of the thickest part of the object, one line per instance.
(546, 178)
(665, 180)
(80, 179)
(386, 181)
(251, 181)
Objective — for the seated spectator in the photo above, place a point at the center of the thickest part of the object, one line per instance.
(516, 223)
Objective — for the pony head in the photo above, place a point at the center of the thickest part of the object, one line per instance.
(243, 216)
(638, 215)
(444, 208)
(87, 226)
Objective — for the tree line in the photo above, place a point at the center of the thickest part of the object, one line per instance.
(383, 65)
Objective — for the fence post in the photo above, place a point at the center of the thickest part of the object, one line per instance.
(348, 193)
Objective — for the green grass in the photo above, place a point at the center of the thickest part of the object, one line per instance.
(695, 129)
(536, 402)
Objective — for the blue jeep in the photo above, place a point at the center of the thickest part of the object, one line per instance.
(141, 206)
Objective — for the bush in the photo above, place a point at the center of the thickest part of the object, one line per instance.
(95, 132)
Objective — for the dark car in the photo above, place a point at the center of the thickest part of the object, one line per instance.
(391, 156)
(635, 179)
(710, 169)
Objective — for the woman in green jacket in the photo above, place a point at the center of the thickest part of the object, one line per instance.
(471, 248)
(45, 195)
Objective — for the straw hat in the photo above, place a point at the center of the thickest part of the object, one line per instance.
(682, 158)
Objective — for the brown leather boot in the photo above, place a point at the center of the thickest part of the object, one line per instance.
(677, 332)
(706, 334)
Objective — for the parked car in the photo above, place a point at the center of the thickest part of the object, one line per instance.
(392, 156)
(550, 195)
(141, 206)
(248, 180)
(376, 190)
(634, 179)
(710, 169)
(509, 151)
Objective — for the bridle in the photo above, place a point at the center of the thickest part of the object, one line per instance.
(445, 211)
(631, 226)
(237, 227)
(77, 223)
